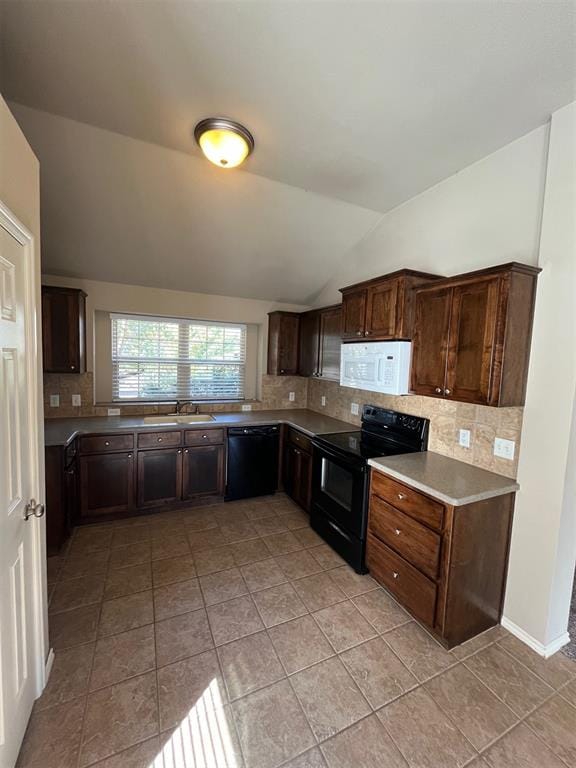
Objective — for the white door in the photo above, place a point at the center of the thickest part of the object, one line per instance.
(19, 553)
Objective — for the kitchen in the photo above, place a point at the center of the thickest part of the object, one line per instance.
(292, 508)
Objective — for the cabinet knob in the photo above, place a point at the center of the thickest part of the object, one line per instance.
(204, 437)
(359, 333)
(395, 574)
(438, 390)
(179, 451)
(401, 496)
(397, 531)
(186, 451)
(159, 439)
(129, 455)
(282, 370)
(367, 333)
(106, 442)
(447, 391)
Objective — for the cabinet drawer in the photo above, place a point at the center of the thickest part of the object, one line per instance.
(418, 544)
(204, 437)
(299, 439)
(105, 443)
(159, 439)
(413, 503)
(410, 587)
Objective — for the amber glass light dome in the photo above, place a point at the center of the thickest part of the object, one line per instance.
(224, 142)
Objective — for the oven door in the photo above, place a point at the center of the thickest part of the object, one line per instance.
(339, 489)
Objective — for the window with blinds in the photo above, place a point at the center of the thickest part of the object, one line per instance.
(158, 358)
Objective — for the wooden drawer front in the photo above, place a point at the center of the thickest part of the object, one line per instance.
(204, 437)
(105, 443)
(418, 544)
(299, 439)
(408, 500)
(412, 589)
(159, 439)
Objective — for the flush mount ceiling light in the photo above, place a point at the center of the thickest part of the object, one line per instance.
(224, 142)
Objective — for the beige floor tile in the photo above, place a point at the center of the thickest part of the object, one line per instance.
(555, 723)
(221, 586)
(140, 756)
(477, 712)
(230, 513)
(53, 568)
(364, 745)
(381, 610)
(556, 671)
(352, 583)
(124, 613)
(569, 693)
(261, 575)
(311, 759)
(378, 672)
(191, 684)
(297, 565)
(124, 536)
(52, 739)
(269, 525)
(122, 656)
(73, 627)
(87, 564)
(85, 590)
(318, 591)
(168, 529)
(173, 599)
(214, 560)
(271, 726)
(174, 546)
(470, 647)
(182, 636)
(309, 538)
(200, 519)
(281, 543)
(239, 530)
(126, 581)
(520, 749)
(329, 697)
(423, 733)
(251, 551)
(259, 511)
(206, 539)
(132, 554)
(344, 625)
(295, 520)
(510, 680)
(69, 676)
(119, 717)
(323, 554)
(234, 619)
(423, 656)
(88, 539)
(249, 664)
(279, 604)
(300, 643)
(173, 569)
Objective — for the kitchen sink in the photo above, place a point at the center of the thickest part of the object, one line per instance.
(179, 418)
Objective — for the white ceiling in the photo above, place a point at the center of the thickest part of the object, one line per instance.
(364, 102)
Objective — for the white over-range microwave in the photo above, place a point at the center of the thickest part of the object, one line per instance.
(380, 366)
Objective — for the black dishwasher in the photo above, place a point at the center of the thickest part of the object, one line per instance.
(252, 462)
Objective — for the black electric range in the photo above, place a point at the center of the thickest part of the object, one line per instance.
(340, 475)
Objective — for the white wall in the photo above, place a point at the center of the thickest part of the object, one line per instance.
(544, 537)
(487, 214)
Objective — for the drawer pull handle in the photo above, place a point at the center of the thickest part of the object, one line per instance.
(179, 452)
(401, 496)
(129, 455)
(159, 439)
(395, 574)
(205, 437)
(106, 442)
(397, 531)
(438, 390)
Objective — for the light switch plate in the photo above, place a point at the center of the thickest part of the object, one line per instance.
(323, 401)
(292, 396)
(76, 400)
(54, 401)
(504, 448)
(464, 438)
(113, 411)
(247, 407)
(354, 409)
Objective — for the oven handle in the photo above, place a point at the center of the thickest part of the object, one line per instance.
(337, 529)
(339, 457)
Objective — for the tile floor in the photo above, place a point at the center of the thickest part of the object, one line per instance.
(231, 635)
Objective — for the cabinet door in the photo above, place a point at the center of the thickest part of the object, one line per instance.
(354, 314)
(63, 331)
(309, 344)
(159, 476)
(290, 470)
(304, 495)
(330, 343)
(471, 341)
(203, 471)
(430, 342)
(288, 345)
(106, 484)
(381, 310)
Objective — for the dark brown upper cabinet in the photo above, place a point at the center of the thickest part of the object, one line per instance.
(309, 343)
(283, 338)
(382, 308)
(320, 339)
(472, 336)
(63, 330)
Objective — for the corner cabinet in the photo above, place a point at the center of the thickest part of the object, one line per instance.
(472, 336)
(297, 467)
(63, 330)
(320, 340)
(283, 340)
(381, 309)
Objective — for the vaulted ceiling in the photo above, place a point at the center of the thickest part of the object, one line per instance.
(355, 107)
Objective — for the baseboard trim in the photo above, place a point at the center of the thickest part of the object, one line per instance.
(542, 650)
(48, 666)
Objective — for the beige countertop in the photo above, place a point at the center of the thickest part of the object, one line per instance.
(63, 431)
(448, 480)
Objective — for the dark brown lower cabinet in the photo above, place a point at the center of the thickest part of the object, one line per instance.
(106, 484)
(159, 476)
(61, 495)
(203, 471)
(297, 469)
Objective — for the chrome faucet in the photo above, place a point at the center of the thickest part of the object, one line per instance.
(180, 404)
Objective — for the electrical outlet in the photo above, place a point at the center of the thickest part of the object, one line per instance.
(464, 438)
(76, 400)
(113, 411)
(292, 396)
(354, 409)
(54, 401)
(323, 401)
(504, 448)
(247, 407)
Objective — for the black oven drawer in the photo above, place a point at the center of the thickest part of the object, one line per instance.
(349, 547)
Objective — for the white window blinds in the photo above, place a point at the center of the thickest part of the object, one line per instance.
(158, 358)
